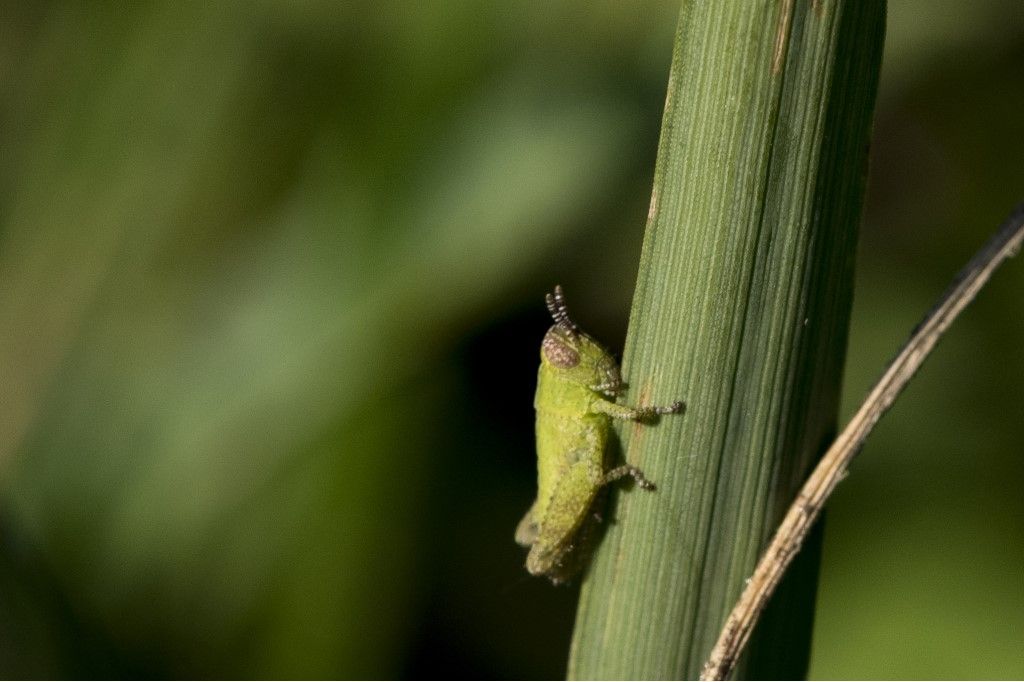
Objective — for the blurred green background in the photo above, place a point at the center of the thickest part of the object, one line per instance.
(271, 281)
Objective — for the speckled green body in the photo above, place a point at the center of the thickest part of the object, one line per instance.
(571, 439)
(570, 433)
(577, 384)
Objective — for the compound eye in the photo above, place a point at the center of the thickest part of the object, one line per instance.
(558, 352)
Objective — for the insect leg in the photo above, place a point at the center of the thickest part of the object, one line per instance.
(627, 470)
(616, 411)
(566, 511)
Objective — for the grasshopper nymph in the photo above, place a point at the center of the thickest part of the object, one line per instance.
(577, 385)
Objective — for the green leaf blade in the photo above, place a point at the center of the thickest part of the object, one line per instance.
(741, 309)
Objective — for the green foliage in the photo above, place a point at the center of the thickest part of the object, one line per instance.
(742, 303)
(256, 262)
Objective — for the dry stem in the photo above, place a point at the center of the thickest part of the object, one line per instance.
(832, 467)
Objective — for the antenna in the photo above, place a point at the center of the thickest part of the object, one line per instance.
(559, 311)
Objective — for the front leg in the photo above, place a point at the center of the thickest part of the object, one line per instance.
(616, 411)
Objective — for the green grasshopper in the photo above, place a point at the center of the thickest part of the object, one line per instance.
(577, 385)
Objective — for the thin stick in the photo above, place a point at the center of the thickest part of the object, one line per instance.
(832, 467)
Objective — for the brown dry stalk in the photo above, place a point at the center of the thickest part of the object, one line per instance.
(833, 465)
